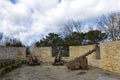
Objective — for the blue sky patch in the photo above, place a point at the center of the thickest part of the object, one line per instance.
(13, 1)
(60, 1)
(31, 10)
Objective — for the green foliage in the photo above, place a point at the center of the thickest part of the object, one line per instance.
(37, 44)
(95, 36)
(51, 40)
(14, 43)
(27, 50)
(74, 39)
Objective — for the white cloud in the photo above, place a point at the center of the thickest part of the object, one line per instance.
(29, 18)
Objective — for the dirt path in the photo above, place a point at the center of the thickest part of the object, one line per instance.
(59, 73)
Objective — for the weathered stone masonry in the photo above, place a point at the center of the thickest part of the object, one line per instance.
(43, 54)
(15, 53)
(109, 54)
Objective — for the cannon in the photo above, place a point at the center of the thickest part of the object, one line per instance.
(58, 59)
(79, 62)
(33, 60)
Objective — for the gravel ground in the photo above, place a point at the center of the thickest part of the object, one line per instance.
(49, 72)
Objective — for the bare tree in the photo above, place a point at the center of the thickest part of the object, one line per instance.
(72, 26)
(77, 25)
(111, 25)
(90, 27)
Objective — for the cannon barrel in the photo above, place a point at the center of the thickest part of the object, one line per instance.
(58, 59)
(79, 62)
(87, 53)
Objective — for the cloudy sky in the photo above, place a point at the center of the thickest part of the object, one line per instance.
(28, 20)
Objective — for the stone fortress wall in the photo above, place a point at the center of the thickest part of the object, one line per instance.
(76, 51)
(15, 53)
(109, 54)
(43, 54)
